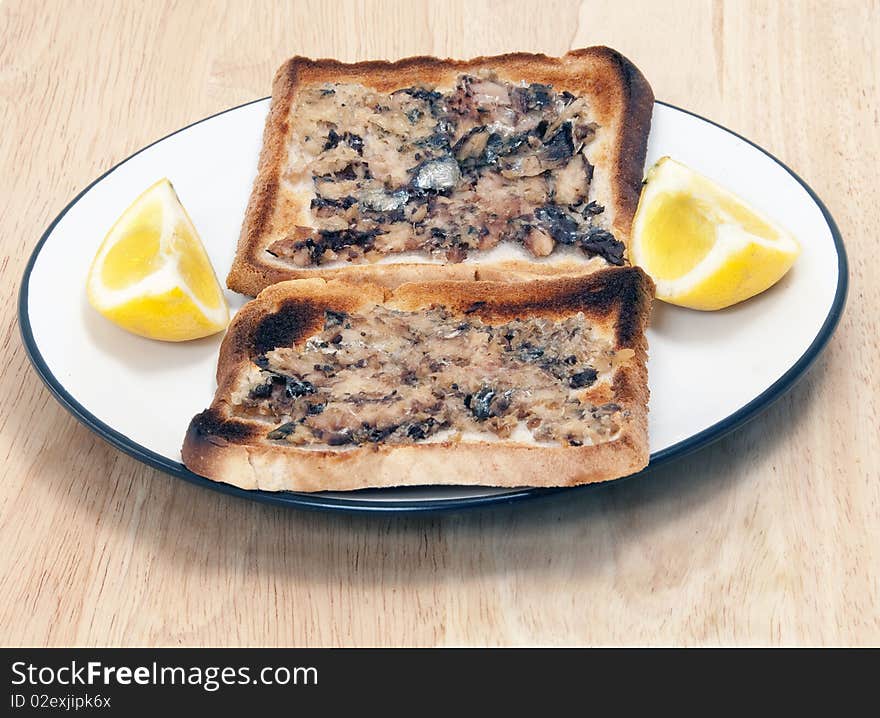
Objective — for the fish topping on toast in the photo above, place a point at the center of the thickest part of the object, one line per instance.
(444, 173)
(401, 377)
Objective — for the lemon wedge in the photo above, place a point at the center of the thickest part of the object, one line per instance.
(703, 246)
(152, 275)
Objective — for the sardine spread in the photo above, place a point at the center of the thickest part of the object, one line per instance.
(389, 376)
(441, 173)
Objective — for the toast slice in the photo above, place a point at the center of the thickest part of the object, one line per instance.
(497, 168)
(327, 385)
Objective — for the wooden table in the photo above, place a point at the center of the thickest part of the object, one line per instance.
(771, 536)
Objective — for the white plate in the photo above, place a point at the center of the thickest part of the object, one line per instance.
(708, 372)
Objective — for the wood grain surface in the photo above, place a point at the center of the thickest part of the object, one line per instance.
(771, 536)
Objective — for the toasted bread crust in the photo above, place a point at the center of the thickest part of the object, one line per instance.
(619, 95)
(236, 451)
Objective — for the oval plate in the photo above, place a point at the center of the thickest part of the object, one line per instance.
(709, 372)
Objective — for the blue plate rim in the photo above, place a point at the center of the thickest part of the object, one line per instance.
(353, 505)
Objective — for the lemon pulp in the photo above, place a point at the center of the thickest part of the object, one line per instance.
(678, 235)
(135, 255)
